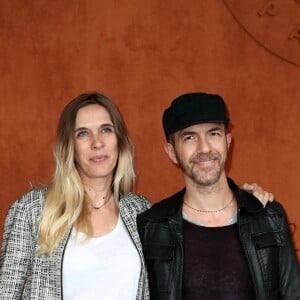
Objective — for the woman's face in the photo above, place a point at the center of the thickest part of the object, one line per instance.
(95, 142)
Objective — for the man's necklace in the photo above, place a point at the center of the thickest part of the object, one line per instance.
(210, 211)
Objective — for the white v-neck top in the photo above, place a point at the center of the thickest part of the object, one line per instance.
(106, 267)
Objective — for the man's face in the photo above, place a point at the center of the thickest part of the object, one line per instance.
(201, 151)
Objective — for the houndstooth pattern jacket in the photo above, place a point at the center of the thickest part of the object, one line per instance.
(27, 275)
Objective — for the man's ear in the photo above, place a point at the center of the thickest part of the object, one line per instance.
(228, 138)
(169, 149)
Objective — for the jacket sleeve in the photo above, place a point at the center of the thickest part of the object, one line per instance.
(16, 251)
(289, 268)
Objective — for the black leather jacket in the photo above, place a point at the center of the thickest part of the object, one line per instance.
(263, 233)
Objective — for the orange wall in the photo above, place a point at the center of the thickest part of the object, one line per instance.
(142, 54)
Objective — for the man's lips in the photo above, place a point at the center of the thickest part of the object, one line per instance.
(205, 163)
(205, 159)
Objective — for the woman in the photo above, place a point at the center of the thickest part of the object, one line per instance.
(77, 239)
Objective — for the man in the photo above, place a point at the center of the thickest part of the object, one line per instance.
(213, 240)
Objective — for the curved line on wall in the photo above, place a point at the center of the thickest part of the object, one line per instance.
(255, 39)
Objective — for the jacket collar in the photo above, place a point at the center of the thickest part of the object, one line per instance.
(172, 206)
(245, 200)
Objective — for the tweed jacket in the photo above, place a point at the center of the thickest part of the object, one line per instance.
(24, 274)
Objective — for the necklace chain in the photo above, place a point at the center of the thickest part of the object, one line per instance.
(106, 200)
(210, 211)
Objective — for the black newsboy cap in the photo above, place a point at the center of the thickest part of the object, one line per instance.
(194, 108)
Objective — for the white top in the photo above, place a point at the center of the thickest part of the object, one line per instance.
(106, 267)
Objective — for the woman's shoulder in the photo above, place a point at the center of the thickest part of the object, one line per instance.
(25, 211)
(32, 200)
(137, 202)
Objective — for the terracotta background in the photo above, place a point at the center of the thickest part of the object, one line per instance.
(142, 54)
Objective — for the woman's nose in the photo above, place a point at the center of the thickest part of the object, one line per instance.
(97, 141)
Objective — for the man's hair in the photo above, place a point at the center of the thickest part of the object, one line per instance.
(64, 204)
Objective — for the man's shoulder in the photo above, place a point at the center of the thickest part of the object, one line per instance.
(274, 207)
(273, 214)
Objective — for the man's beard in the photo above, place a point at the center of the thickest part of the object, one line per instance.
(204, 176)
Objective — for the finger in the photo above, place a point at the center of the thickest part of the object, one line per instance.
(261, 196)
(271, 197)
(268, 197)
(258, 190)
(264, 197)
(248, 186)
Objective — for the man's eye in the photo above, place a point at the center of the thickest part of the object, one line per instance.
(215, 133)
(187, 137)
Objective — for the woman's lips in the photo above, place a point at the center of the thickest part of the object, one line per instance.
(98, 158)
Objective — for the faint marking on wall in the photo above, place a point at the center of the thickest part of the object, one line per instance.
(274, 24)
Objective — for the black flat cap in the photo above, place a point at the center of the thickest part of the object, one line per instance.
(194, 108)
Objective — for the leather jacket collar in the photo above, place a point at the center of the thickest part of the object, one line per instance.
(172, 207)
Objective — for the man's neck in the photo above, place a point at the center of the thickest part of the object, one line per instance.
(212, 205)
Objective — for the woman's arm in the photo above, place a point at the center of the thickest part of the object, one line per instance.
(17, 248)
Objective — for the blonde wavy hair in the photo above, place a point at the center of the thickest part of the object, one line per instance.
(64, 203)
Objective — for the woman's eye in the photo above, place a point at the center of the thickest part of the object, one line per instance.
(83, 133)
(107, 129)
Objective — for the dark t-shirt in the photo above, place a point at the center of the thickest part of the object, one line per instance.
(215, 267)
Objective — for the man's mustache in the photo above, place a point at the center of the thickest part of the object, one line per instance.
(203, 157)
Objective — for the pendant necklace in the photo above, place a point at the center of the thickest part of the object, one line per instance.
(106, 200)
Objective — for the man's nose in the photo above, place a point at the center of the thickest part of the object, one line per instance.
(203, 145)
